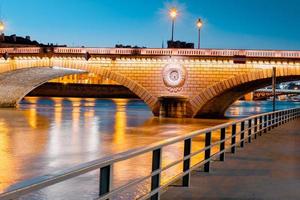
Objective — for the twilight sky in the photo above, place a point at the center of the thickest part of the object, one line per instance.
(247, 24)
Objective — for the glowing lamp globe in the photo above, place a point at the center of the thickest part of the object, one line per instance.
(2, 26)
(173, 13)
(199, 23)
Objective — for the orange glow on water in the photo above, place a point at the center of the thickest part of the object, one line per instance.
(58, 111)
(8, 165)
(120, 120)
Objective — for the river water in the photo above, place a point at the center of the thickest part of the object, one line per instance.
(48, 134)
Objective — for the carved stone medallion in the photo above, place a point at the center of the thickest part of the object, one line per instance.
(174, 76)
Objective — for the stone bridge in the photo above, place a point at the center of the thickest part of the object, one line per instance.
(263, 94)
(172, 82)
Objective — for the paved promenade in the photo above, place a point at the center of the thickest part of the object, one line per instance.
(268, 168)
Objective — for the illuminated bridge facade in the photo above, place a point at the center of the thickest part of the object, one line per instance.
(173, 82)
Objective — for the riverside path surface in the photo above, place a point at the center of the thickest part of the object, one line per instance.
(268, 168)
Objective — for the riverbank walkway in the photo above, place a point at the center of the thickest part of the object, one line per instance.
(268, 168)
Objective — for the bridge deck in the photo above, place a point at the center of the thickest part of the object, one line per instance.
(268, 168)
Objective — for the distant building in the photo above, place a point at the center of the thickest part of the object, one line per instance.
(180, 44)
(128, 46)
(17, 41)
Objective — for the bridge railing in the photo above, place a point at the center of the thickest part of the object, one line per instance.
(278, 90)
(182, 52)
(230, 136)
(156, 52)
(21, 50)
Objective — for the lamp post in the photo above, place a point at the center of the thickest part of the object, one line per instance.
(173, 14)
(274, 88)
(199, 24)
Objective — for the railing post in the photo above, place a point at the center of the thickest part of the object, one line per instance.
(265, 123)
(222, 144)
(255, 127)
(273, 120)
(294, 114)
(269, 122)
(105, 180)
(233, 138)
(186, 163)
(285, 116)
(280, 118)
(249, 130)
(293, 117)
(277, 119)
(260, 125)
(155, 179)
(207, 151)
(242, 134)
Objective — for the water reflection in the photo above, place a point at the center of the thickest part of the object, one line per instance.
(120, 121)
(18, 148)
(246, 108)
(48, 134)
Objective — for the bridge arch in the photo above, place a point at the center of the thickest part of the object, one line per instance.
(214, 100)
(133, 86)
(16, 83)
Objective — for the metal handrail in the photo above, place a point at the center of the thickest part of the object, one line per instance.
(264, 122)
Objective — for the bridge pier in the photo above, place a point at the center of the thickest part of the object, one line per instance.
(173, 106)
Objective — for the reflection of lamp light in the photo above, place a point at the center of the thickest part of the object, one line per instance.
(120, 120)
(173, 14)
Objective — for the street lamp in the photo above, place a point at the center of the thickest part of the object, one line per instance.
(199, 24)
(173, 14)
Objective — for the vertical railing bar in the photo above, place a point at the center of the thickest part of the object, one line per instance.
(242, 134)
(280, 118)
(255, 127)
(155, 179)
(207, 151)
(187, 162)
(272, 121)
(222, 144)
(269, 122)
(105, 180)
(265, 123)
(260, 125)
(233, 138)
(249, 130)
